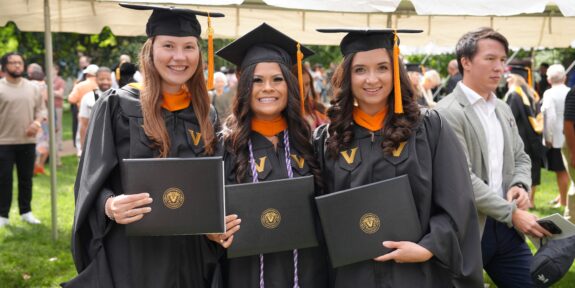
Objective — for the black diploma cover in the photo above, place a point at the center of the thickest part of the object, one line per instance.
(276, 215)
(356, 221)
(188, 195)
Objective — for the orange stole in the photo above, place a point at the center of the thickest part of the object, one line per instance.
(269, 128)
(177, 101)
(372, 123)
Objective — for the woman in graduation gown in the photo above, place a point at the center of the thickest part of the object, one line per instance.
(266, 138)
(169, 115)
(384, 136)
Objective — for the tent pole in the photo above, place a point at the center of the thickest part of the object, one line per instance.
(51, 118)
(570, 67)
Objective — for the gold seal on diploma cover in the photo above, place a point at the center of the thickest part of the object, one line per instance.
(173, 198)
(369, 223)
(271, 218)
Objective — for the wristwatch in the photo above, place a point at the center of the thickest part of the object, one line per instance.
(520, 185)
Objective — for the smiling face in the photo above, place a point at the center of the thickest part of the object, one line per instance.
(371, 79)
(483, 72)
(269, 91)
(104, 80)
(176, 60)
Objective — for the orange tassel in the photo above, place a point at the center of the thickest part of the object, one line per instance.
(210, 84)
(300, 78)
(529, 77)
(398, 107)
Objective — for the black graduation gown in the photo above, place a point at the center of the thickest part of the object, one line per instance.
(103, 254)
(532, 141)
(244, 272)
(435, 163)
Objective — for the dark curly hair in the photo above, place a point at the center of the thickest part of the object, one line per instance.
(238, 125)
(397, 127)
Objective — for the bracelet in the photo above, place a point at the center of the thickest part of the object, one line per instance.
(111, 217)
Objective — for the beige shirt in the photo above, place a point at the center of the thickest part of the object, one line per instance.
(20, 105)
(81, 89)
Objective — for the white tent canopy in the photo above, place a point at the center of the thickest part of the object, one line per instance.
(90, 16)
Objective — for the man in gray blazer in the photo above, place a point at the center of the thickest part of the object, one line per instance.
(499, 167)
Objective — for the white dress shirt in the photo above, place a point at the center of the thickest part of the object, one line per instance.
(552, 108)
(485, 110)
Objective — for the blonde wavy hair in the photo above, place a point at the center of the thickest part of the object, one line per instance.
(151, 100)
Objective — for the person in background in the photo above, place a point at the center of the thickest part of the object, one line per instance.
(127, 73)
(75, 97)
(500, 168)
(59, 87)
(454, 78)
(314, 108)
(104, 80)
(415, 75)
(569, 151)
(36, 75)
(83, 62)
(22, 111)
(430, 82)
(116, 71)
(232, 78)
(543, 83)
(524, 106)
(553, 108)
(222, 96)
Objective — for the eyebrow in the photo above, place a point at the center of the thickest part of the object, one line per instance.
(380, 63)
(275, 75)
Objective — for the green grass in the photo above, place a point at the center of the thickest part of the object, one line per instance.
(29, 257)
(67, 122)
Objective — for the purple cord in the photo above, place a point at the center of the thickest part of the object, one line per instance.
(255, 180)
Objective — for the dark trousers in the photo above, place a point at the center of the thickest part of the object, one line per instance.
(74, 111)
(23, 155)
(506, 256)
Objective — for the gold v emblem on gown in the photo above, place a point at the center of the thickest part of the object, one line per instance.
(349, 157)
(397, 151)
(196, 136)
(300, 161)
(260, 166)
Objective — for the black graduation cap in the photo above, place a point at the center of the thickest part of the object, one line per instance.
(366, 39)
(263, 44)
(413, 67)
(172, 21)
(523, 71)
(519, 70)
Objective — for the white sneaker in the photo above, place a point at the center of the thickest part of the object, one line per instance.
(4, 221)
(29, 217)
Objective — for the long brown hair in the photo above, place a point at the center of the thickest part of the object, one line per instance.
(151, 99)
(397, 127)
(238, 124)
